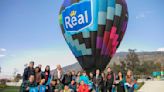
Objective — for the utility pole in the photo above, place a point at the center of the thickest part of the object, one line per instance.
(0, 69)
(162, 65)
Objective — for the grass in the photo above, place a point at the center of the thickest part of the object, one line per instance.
(139, 86)
(16, 89)
(9, 89)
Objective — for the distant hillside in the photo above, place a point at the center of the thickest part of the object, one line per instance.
(76, 66)
(155, 56)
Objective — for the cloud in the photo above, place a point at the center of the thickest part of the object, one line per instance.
(2, 49)
(2, 52)
(160, 49)
(1, 55)
(143, 14)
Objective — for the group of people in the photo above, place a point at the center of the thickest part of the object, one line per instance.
(36, 80)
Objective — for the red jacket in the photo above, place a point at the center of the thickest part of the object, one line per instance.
(83, 88)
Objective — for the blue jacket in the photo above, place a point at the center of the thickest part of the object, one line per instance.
(85, 79)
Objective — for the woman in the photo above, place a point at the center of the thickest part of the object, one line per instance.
(130, 84)
(37, 75)
(91, 78)
(73, 74)
(120, 83)
(110, 79)
(47, 75)
(103, 83)
(78, 77)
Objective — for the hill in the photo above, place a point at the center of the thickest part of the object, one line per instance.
(155, 56)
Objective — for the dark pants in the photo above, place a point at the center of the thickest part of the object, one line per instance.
(104, 89)
(109, 89)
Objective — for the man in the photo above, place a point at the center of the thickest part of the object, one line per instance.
(110, 79)
(53, 86)
(58, 73)
(28, 71)
(72, 85)
(97, 81)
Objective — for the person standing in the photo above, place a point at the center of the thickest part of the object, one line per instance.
(78, 77)
(91, 76)
(58, 73)
(37, 75)
(130, 84)
(73, 74)
(67, 78)
(47, 75)
(40, 67)
(97, 81)
(84, 78)
(28, 71)
(103, 83)
(110, 79)
(120, 83)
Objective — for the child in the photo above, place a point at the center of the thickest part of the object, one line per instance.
(83, 87)
(42, 87)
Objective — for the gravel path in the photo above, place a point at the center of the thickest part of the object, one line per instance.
(152, 86)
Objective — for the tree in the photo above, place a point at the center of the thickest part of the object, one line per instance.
(132, 61)
(15, 72)
(17, 77)
(116, 67)
(0, 69)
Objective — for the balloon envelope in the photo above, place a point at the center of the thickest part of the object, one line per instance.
(93, 29)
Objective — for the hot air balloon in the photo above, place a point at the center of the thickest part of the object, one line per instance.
(93, 30)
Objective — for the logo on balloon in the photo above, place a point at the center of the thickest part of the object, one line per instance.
(77, 17)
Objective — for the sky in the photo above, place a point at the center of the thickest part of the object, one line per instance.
(29, 30)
